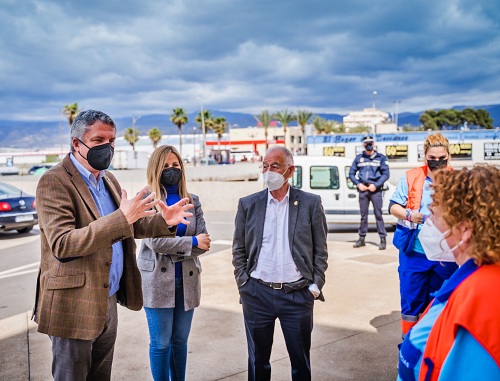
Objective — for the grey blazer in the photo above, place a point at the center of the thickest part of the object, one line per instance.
(158, 269)
(307, 232)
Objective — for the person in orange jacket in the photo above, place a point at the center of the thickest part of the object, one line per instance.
(458, 337)
(418, 277)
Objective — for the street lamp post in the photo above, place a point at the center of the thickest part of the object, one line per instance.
(396, 114)
(194, 145)
(60, 131)
(203, 127)
(135, 118)
(374, 96)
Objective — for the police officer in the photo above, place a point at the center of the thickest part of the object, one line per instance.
(369, 172)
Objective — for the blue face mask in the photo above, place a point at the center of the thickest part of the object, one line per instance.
(99, 157)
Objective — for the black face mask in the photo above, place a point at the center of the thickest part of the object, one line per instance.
(99, 157)
(369, 147)
(436, 164)
(170, 176)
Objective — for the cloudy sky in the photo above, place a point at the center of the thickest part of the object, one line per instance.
(131, 57)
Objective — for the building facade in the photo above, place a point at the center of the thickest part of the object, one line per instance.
(378, 120)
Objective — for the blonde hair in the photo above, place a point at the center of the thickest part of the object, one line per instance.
(155, 168)
(472, 196)
(436, 140)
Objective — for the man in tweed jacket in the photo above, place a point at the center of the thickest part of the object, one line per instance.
(87, 230)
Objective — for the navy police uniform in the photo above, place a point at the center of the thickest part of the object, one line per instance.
(370, 169)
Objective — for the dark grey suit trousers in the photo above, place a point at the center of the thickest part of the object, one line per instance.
(86, 360)
(262, 305)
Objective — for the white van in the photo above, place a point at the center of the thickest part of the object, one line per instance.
(328, 176)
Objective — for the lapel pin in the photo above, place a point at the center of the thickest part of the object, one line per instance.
(296, 203)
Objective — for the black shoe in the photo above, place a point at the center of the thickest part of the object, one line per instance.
(360, 242)
(382, 244)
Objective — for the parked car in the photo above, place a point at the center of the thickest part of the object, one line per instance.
(9, 171)
(328, 177)
(207, 161)
(40, 168)
(17, 209)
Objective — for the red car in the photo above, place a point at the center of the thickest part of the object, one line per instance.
(17, 209)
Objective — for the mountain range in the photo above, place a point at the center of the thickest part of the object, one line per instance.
(35, 135)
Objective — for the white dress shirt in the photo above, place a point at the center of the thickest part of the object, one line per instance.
(275, 263)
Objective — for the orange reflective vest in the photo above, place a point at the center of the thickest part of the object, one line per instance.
(415, 178)
(475, 306)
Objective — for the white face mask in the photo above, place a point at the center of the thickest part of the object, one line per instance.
(434, 243)
(273, 180)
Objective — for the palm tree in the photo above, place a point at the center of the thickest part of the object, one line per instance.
(303, 117)
(265, 119)
(179, 118)
(324, 126)
(285, 118)
(207, 119)
(207, 122)
(219, 127)
(71, 111)
(329, 126)
(361, 129)
(318, 123)
(155, 136)
(340, 129)
(132, 136)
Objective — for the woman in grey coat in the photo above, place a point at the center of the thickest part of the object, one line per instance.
(170, 270)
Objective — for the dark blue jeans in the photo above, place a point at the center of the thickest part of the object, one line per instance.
(168, 332)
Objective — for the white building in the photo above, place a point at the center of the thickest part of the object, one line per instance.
(378, 120)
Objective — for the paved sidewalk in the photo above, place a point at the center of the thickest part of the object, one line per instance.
(355, 335)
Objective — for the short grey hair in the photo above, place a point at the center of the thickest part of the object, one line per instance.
(86, 119)
(285, 151)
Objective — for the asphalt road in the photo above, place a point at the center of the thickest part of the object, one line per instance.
(20, 256)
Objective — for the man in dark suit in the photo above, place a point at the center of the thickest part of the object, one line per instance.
(280, 258)
(88, 264)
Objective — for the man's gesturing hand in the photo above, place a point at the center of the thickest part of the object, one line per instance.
(138, 207)
(176, 214)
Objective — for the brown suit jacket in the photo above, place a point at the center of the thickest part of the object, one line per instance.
(73, 279)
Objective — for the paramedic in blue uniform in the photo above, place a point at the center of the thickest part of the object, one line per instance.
(369, 172)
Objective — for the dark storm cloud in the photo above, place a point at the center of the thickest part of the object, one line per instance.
(147, 57)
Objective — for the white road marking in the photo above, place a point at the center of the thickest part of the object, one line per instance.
(222, 242)
(19, 273)
(17, 270)
(8, 243)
